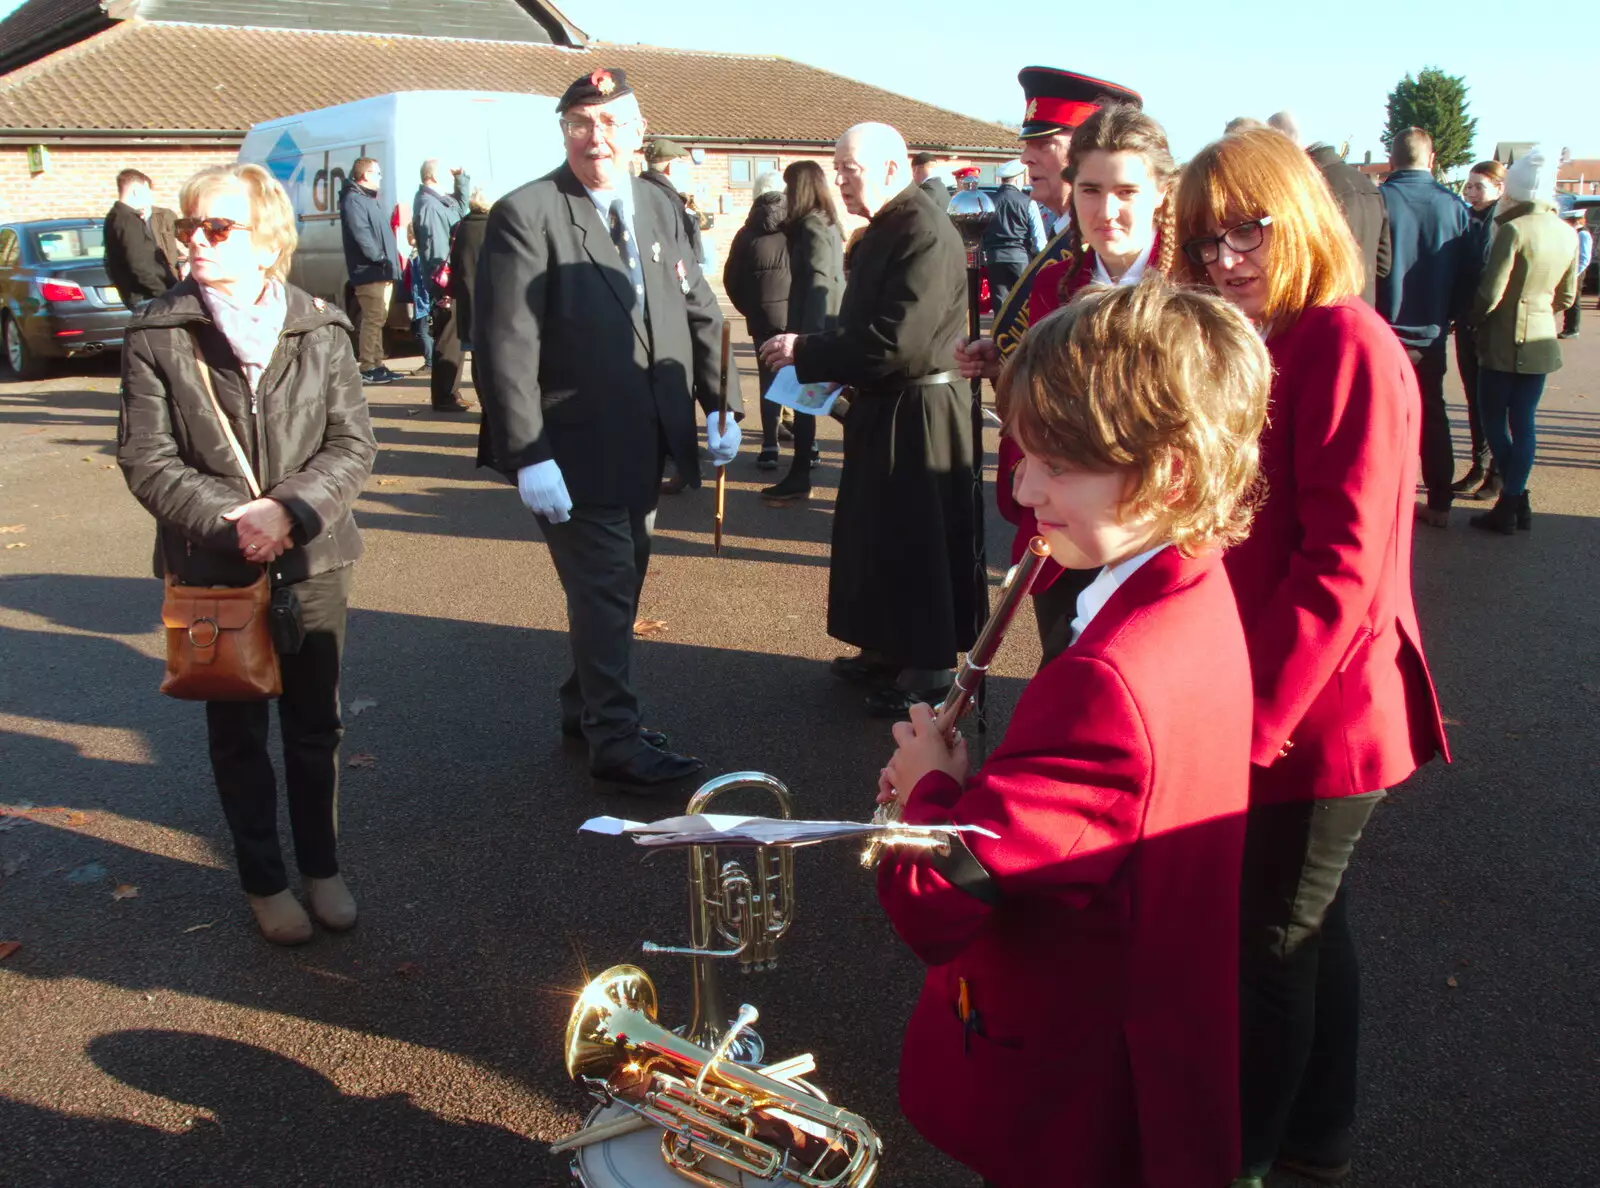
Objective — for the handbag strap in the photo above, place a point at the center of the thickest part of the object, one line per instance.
(238, 451)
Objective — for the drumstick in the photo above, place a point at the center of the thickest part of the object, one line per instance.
(722, 425)
(590, 1135)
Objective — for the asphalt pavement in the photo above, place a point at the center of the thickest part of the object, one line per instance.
(148, 1036)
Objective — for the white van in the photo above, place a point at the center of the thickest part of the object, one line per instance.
(501, 139)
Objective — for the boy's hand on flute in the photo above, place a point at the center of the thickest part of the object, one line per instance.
(922, 747)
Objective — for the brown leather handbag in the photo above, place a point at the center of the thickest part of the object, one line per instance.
(219, 638)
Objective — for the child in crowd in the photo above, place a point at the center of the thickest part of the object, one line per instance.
(1078, 1023)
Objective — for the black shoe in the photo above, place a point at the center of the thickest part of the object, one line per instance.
(1468, 481)
(651, 738)
(767, 459)
(453, 406)
(647, 771)
(1568, 334)
(1320, 1173)
(378, 375)
(1501, 518)
(1524, 513)
(792, 488)
(894, 702)
(861, 668)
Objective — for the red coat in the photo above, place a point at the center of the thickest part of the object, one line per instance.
(1324, 582)
(1106, 974)
(1044, 298)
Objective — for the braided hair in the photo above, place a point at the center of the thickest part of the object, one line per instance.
(1124, 128)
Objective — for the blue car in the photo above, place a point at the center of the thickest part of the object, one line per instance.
(55, 298)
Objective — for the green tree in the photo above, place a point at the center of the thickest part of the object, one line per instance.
(1437, 103)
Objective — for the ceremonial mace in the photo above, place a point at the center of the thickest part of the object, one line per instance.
(970, 210)
(722, 424)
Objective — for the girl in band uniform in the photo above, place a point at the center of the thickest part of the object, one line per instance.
(1077, 1025)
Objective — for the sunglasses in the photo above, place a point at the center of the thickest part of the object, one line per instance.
(1244, 238)
(217, 230)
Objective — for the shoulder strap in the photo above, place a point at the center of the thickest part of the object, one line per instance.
(238, 451)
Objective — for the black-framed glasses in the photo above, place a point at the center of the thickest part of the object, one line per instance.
(217, 230)
(1243, 239)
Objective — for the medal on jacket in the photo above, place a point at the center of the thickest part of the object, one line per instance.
(655, 253)
(683, 279)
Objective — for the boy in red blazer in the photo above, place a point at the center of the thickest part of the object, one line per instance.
(1078, 1024)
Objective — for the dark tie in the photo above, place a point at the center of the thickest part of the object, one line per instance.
(627, 249)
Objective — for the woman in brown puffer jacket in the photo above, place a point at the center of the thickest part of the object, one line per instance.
(281, 365)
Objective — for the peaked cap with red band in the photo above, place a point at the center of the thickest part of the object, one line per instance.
(1058, 100)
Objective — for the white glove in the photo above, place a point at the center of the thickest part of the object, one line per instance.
(544, 491)
(723, 443)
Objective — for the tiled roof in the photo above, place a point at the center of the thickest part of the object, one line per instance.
(156, 76)
(36, 19)
(1587, 168)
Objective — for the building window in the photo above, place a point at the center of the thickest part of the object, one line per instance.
(743, 171)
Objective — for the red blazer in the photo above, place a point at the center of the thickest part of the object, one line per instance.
(1324, 582)
(1101, 956)
(1043, 298)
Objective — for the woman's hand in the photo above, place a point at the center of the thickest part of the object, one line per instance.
(922, 748)
(264, 527)
(978, 358)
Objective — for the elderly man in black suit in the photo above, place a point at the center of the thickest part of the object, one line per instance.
(901, 582)
(594, 333)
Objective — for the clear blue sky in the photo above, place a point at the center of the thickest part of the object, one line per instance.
(1332, 64)
(1197, 66)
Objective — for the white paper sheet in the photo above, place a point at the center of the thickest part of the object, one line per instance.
(703, 829)
(787, 390)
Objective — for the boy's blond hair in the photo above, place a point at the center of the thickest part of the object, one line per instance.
(1169, 380)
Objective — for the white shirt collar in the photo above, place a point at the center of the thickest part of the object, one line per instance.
(1094, 596)
(1058, 222)
(1130, 277)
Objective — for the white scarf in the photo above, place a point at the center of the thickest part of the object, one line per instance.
(251, 330)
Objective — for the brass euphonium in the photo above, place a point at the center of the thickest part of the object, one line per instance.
(974, 667)
(715, 1114)
(699, 1084)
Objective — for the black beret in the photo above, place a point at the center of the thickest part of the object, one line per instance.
(598, 86)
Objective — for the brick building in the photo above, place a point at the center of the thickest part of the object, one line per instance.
(88, 87)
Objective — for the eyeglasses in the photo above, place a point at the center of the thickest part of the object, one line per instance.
(583, 129)
(1244, 238)
(217, 230)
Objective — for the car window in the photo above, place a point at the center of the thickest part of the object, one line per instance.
(8, 248)
(70, 243)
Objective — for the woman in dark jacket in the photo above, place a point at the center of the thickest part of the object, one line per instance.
(464, 262)
(816, 286)
(281, 366)
(1482, 192)
(756, 279)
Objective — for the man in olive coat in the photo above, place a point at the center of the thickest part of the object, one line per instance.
(593, 335)
(901, 583)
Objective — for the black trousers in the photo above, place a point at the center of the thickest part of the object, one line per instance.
(1300, 984)
(805, 429)
(445, 379)
(1055, 607)
(1003, 277)
(1438, 454)
(601, 556)
(1467, 366)
(1573, 316)
(308, 718)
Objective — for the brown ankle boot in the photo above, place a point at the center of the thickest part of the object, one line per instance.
(281, 918)
(332, 905)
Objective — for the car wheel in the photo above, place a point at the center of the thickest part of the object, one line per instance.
(23, 362)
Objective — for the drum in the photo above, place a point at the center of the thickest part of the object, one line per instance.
(634, 1160)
